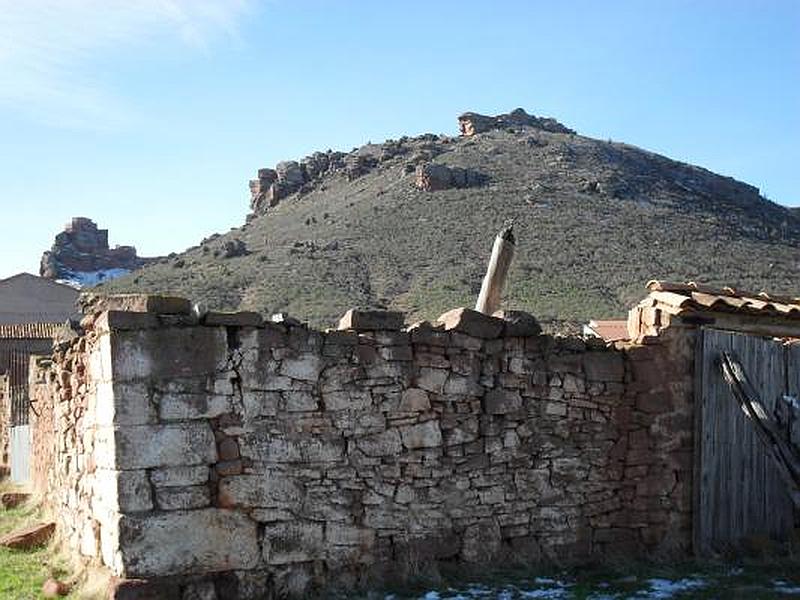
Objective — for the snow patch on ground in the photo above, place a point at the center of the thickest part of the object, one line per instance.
(550, 589)
(89, 278)
(661, 589)
(545, 594)
(783, 587)
(546, 588)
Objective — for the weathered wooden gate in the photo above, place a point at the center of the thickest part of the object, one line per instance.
(738, 491)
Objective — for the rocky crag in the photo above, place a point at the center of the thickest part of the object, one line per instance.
(408, 224)
(80, 255)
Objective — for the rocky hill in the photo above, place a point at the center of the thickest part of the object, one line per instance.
(408, 224)
(80, 256)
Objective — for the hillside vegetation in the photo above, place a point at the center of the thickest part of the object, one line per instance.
(594, 220)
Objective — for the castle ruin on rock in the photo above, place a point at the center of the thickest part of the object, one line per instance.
(232, 457)
(81, 255)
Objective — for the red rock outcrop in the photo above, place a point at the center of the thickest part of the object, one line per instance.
(472, 123)
(82, 248)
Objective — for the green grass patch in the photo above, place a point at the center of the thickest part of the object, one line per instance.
(22, 572)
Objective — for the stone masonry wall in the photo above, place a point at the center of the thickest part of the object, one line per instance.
(235, 458)
(73, 460)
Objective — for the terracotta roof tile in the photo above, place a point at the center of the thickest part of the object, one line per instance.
(677, 298)
(611, 330)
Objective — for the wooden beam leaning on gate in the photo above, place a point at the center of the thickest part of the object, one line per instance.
(783, 454)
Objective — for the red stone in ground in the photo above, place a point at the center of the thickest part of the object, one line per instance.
(53, 588)
(30, 537)
(13, 499)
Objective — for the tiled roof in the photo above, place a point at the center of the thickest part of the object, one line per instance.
(29, 331)
(678, 298)
(611, 330)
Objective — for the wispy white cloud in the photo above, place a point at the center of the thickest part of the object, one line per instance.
(48, 48)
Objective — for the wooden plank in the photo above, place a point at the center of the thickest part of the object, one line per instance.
(697, 471)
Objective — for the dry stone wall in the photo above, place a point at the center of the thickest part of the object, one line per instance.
(240, 458)
(73, 463)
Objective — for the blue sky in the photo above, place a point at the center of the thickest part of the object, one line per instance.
(150, 116)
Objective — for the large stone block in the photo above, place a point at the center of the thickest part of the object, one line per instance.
(386, 443)
(347, 400)
(133, 491)
(179, 407)
(100, 368)
(463, 386)
(422, 435)
(500, 401)
(305, 367)
(182, 498)
(124, 404)
(233, 319)
(472, 323)
(105, 455)
(29, 537)
(432, 380)
(414, 400)
(482, 542)
(122, 321)
(604, 366)
(269, 489)
(181, 541)
(147, 446)
(260, 404)
(169, 353)
(518, 323)
(286, 543)
(179, 476)
(300, 401)
(261, 445)
(342, 534)
(371, 320)
(146, 303)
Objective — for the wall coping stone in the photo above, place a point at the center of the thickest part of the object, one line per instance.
(518, 323)
(144, 303)
(245, 318)
(372, 320)
(472, 323)
(124, 320)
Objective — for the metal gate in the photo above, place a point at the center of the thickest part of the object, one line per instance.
(20, 453)
(19, 434)
(738, 491)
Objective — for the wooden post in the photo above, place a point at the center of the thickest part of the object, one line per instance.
(495, 279)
